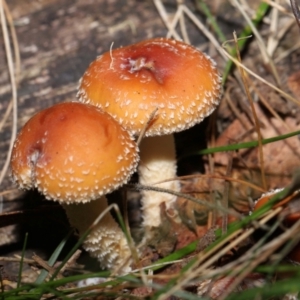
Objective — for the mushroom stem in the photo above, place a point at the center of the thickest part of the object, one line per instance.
(158, 163)
(107, 241)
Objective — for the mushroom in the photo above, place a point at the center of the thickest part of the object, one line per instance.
(75, 154)
(131, 82)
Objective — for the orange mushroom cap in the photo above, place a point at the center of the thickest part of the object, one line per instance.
(73, 152)
(131, 82)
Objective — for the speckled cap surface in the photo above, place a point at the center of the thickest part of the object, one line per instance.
(72, 152)
(131, 82)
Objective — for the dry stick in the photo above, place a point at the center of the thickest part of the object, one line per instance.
(237, 267)
(256, 121)
(163, 14)
(204, 30)
(265, 102)
(284, 94)
(203, 257)
(212, 215)
(42, 263)
(242, 262)
(14, 41)
(178, 15)
(139, 187)
(220, 177)
(237, 115)
(261, 44)
(6, 192)
(244, 104)
(230, 268)
(184, 9)
(286, 53)
(71, 261)
(17, 259)
(14, 90)
(265, 253)
(272, 111)
(182, 25)
(273, 37)
(17, 59)
(144, 129)
(226, 194)
(6, 115)
(207, 262)
(296, 11)
(280, 34)
(277, 6)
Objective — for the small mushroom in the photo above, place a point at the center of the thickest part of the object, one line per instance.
(75, 154)
(131, 82)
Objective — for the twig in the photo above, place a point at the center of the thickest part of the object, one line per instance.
(225, 196)
(256, 20)
(144, 129)
(265, 252)
(203, 261)
(42, 263)
(214, 176)
(256, 121)
(14, 88)
(284, 94)
(296, 11)
(261, 44)
(139, 187)
(163, 14)
(17, 259)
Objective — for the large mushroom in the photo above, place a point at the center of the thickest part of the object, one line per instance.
(75, 154)
(131, 82)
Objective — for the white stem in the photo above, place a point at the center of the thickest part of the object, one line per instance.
(157, 163)
(106, 241)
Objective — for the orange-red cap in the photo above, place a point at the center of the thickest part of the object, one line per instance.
(72, 152)
(131, 82)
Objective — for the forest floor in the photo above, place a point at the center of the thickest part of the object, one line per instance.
(54, 41)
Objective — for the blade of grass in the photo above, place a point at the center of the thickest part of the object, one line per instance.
(284, 268)
(260, 41)
(211, 19)
(183, 252)
(37, 290)
(251, 144)
(73, 250)
(83, 237)
(22, 259)
(261, 11)
(53, 258)
(1, 285)
(234, 229)
(281, 287)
